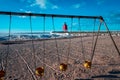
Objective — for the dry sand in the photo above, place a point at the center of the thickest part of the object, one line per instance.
(105, 64)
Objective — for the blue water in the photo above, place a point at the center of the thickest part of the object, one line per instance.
(28, 36)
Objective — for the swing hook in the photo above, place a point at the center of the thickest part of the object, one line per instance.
(39, 71)
(87, 64)
(63, 67)
(2, 73)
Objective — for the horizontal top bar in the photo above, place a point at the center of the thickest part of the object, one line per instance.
(49, 15)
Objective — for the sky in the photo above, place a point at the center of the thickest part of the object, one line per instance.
(109, 9)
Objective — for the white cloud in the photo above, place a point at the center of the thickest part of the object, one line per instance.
(32, 5)
(22, 10)
(44, 4)
(28, 11)
(54, 7)
(78, 5)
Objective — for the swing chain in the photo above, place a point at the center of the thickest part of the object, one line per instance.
(56, 44)
(94, 47)
(82, 46)
(9, 37)
(69, 48)
(93, 36)
(44, 41)
(33, 47)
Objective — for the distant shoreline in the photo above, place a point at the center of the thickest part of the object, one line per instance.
(18, 38)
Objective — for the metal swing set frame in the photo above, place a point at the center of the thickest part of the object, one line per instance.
(62, 66)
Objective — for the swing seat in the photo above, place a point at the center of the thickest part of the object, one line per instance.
(2, 73)
(63, 67)
(87, 64)
(39, 71)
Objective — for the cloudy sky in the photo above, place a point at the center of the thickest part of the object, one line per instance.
(109, 9)
(80, 7)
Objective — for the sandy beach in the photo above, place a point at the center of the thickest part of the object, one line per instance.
(25, 57)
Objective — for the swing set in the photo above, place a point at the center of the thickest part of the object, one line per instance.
(40, 71)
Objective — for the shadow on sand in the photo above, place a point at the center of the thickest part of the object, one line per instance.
(11, 42)
(112, 75)
(114, 72)
(106, 76)
(83, 79)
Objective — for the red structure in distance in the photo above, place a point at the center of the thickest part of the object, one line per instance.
(65, 28)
